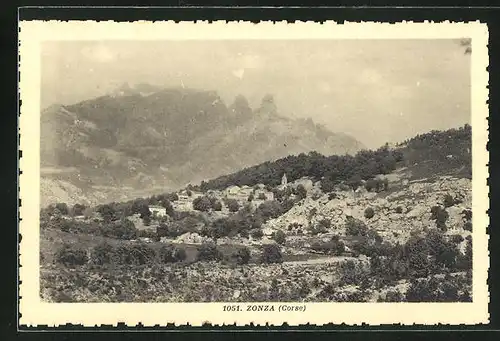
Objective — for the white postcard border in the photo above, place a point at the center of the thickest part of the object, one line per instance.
(35, 312)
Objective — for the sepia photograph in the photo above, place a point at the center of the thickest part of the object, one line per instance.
(251, 170)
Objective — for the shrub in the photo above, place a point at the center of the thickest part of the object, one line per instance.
(301, 192)
(215, 204)
(355, 227)
(394, 296)
(222, 227)
(241, 256)
(369, 213)
(271, 254)
(262, 196)
(208, 252)
(270, 209)
(102, 254)
(440, 215)
(353, 273)
(326, 223)
(456, 239)
(202, 203)
(333, 247)
(78, 209)
(432, 290)
(172, 196)
(71, 255)
(257, 233)
(327, 186)
(399, 210)
(332, 195)
(448, 201)
(171, 254)
(135, 254)
(62, 208)
(317, 229)
(468, 226)
(467, 215)
(169, 209)
(279, 237)
(250, 197)
(232, 205)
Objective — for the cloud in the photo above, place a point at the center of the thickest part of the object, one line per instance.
(99, 53)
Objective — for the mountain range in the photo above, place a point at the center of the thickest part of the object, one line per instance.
(145, 139)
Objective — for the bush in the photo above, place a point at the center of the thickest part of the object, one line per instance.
(257, 233)
(393, 296)
(202, 204)
(432, 290)
(468, 226)
(241, 256)
(171, 254)
(353, 273)
(301, 192)
(232, 205)
(440, 215)
(71, 255)
(369, 213)
(271, 254)
(467, 215)
(448, 201)
(279, 237)
(399, 210)
(62, 208)
(355, 227)
(270, 209)
(333, 247)
(215, 204)
(102, 254)
(262, 196)
(208, 252)
(78, 209)
(332, 195)
(327, 186)
(135, 254)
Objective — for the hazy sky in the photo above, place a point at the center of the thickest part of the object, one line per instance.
(375, 90)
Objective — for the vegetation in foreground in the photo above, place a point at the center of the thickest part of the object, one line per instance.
(96, 254)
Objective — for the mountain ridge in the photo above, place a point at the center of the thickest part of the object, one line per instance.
(163, 138)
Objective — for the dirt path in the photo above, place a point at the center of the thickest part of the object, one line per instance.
(322, 260)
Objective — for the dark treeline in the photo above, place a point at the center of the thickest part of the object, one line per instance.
(452, 146)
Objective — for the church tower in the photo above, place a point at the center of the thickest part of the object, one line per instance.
(284, 180)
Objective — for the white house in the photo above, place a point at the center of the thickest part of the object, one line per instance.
(158, 211)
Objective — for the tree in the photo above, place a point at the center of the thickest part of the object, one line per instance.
(202, 204)
(78, 209)
(169, 209)
(107, 212)
(355, 227)
(448, 201)
(301, 192)
(279, 237)
(208, 252)
(256, 233)
(327, 185)
(215, 204)
(171, 254)
(271, 254)
(369, 213)
(62, 208)
(232, 205)
(242, 256)
(71, 255)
